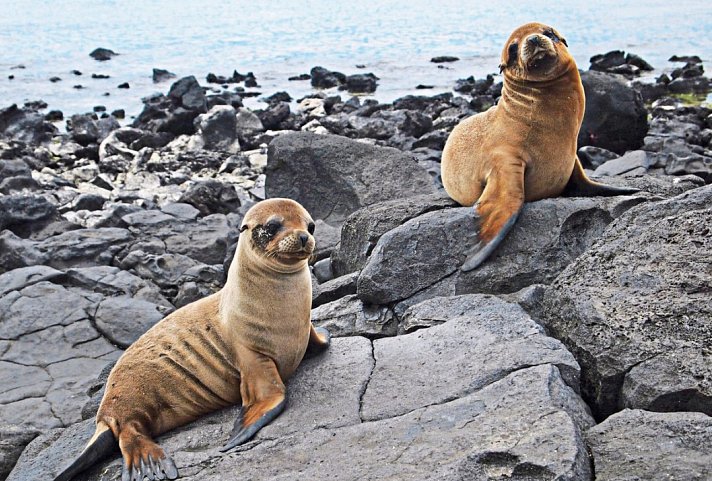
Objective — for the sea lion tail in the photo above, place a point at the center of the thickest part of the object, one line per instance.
(100, 445)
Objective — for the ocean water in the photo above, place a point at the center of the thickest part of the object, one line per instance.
(278, 39)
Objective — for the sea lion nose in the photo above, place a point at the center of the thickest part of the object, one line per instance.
(303, 238)
(534, 40)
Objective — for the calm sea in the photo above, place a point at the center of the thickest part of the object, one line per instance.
(281, 38)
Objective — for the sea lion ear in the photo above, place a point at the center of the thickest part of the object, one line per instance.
(502, 66)
(244, 227)
(563, 40)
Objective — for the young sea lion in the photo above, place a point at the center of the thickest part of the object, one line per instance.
(524, 148)
(236, 346)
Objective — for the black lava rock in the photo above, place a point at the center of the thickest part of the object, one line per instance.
(102, 54)
(160, 75)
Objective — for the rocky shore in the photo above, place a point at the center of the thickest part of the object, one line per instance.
(580, 350)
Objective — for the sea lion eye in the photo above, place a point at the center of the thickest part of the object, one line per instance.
(272, 227)
(554, 37)
(310, 228)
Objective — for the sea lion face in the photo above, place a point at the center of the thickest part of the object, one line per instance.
(535, 53)
(280, 231)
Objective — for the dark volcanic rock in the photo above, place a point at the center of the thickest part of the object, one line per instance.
(615, 118)
(422, 257)
(161, 75)
(188, 93)
(102, 54)
(361, 83)
(639, 297)
(364, 228)
(592, 157)
(635, 444)
(323, 79)
(444, 58)
(16, 210)
(25, 125)
(211, 197)
(333, 176)
(217, 129)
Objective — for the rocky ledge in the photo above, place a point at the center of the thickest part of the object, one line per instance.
(579, 350)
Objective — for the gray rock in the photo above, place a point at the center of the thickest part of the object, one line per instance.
(592, 157)
(17, 210)
(631, 163)
(364, 228)
(481, 340)
(217, 129)
(25, 125)
(211, 197)
(429, 250)
(188, 94)
(327, 238)
(84, 247)
(181, 211)
(615, 118)
(641, 293)
(83, 129)
(112, 281)
(13, 440)
(659, 185)
(672, 381)
(17, 279)
(247, 123)
(349, 316)
(322, 270)
(16, 252)
(326, 292)
(636, 444)
(123, 320)
(333, 176)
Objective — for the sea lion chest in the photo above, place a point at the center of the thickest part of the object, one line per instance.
(269, 313)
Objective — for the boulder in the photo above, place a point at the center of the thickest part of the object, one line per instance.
(18, 210)
(484, 433)
(349, 316)
(615, 118)
(217, 130)
(102, 54)
(322, 78)
(25, 125)
(423, 256)
(636, 444)
(638, 298)
(362, 229)
(332, 176)
(480, 340)
(211, 197)
(161, 75)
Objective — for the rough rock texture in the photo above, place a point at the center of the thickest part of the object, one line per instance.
(488, 432)
(615, 118)
(363, 228)
(333, 176)
(429, 250)
(636, 444)
(480, 339)
(348, 316)
(637, 303)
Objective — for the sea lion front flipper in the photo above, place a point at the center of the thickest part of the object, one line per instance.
(497, 210)
(263, 398)
(580, 185)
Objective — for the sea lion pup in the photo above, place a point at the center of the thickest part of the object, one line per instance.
(237, 345)
(524, 148)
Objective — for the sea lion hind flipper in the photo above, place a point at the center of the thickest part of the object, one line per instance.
(319, 341)
(143, 456)
(580, 185)
(100, 445)
(496, 210)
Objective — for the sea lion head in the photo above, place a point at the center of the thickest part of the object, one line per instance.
(280, 232)
(535, 53)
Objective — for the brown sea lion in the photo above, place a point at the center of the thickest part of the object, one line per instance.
(524, 148)
(236, 346)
